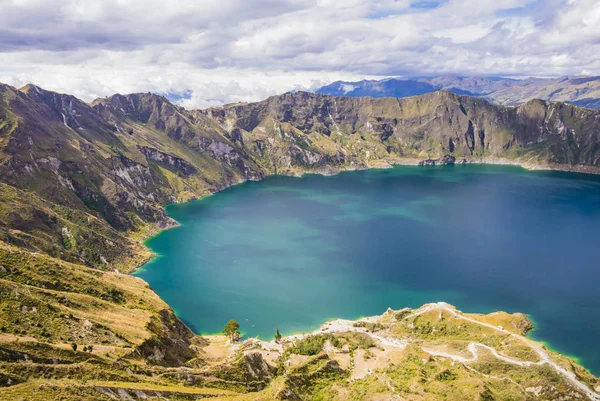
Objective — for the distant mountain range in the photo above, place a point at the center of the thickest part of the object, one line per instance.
(581, 91)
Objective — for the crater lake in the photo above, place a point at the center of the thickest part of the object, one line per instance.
(291, 253)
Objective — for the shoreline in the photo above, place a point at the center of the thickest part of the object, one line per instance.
(530, 335)
(383, 339)
(336, 324)
(378, 165)
(383, 164)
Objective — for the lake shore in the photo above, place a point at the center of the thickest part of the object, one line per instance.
(387, 164)
(410, 162)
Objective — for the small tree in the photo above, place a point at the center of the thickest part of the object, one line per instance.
(90, 348)
(74, 346)
(232, 329)
(277, 336)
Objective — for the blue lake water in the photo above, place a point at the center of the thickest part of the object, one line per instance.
(290, 253)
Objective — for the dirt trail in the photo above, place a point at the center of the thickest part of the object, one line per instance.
(544, 357)
(342, 326)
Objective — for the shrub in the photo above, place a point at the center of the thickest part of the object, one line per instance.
(310, 345)
(116, 296)
(364, 342)
(446, 375)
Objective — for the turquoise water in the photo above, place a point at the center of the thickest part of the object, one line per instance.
(289, 253)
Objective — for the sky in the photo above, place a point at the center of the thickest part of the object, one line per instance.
(209, 52)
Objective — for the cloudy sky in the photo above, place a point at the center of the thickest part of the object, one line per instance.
(209, 52)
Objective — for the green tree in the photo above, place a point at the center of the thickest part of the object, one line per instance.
(232, 329)
(74, 346)
(90, 348)
(277, 336)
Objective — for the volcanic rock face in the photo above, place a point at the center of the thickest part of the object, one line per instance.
(164, 158)
(81, 184)
(124, 157)
(446, 160)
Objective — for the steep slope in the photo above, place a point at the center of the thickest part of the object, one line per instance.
(324, 130)
(42, 155)
(81, 185)
(103, 162)
(197, 137)
(435, 353)
(118, 161)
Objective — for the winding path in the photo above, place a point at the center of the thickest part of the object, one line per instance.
(544, 357)
(341, 325)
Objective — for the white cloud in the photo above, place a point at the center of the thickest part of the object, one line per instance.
(237, 50)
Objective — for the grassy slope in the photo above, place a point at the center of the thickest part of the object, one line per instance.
(341, 365)
(61, 244)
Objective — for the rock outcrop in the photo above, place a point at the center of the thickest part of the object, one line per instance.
(122, 158)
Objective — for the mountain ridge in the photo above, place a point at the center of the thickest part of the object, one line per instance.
(126, 156)
(81, 185)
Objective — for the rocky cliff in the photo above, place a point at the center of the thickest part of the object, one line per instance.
(82, 184)
(119, 160)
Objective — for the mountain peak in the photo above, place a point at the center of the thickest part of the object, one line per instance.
(136, 106)
(32, 87)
